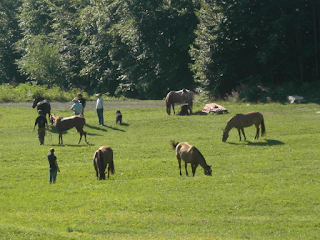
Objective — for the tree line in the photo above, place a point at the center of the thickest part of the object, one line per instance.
(143, 49)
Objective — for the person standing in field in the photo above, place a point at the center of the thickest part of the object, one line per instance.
(83, 102)
(53, 166)
(99, 108)
(42, 122)
(76, 107)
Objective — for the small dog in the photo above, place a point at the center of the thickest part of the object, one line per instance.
(118, 117)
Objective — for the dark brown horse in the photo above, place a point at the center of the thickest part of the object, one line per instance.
(179, 97)
(190, 154)
(241, 121)
(43, 105)
(101, 158)
(67, 123)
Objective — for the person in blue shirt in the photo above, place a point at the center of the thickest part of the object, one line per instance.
(53, 166)
(76, 107)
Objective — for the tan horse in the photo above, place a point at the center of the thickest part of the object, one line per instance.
(67, 123)
(180, 97)
(190, 154)
(101, 158)
(241, 121)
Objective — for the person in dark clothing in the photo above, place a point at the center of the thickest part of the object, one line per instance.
(53, 166)
(42, 122)
(83, 102)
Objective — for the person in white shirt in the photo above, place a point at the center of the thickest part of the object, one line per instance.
(99, 108)
(76, 107)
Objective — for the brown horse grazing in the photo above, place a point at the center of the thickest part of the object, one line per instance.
(180, 97)
(63, 124)
(190, 154)
(43, 105)
(101, 158)
(241, 121)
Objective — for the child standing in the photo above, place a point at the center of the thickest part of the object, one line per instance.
(53, 166)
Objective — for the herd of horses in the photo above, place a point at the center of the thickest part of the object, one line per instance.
(103, 157)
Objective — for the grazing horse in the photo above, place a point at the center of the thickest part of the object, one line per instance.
(182, 96)
(101, 158)
(67, 123)
(190, 154)
(241, 121)
(42, 104)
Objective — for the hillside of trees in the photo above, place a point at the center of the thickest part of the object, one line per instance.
(144, 48)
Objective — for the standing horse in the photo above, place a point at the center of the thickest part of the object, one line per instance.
(182, 96)
(42, 104)
(241, 121)
(101, 158)
(190, 154)
(63, 124)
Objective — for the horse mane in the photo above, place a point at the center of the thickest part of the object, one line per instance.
(204, 163)
(232, 118)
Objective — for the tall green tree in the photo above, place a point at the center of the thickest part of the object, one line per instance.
(9, 34)
(165, 31)
(257, 42)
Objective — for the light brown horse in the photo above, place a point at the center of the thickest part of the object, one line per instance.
(190, 154)
(180, 97)
(67, 123)
(101, 158)
(241, 121)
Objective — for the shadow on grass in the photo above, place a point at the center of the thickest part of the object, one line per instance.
(102, 128)
(267, 142)
(210, 113)
(73, 145)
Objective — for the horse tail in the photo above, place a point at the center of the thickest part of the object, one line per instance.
(173, 144)
(263, 128)
(49, 109)
(111, 166)
(168, 102)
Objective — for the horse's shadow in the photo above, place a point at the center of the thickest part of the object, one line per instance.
(96, 128)
(72, 145)
(266, 142)
(104, 127)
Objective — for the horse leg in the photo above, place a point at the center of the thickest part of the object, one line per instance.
(194, 167)
(85, 137)
(239, 134)
(173, 109)
(60, 139)
(257, 133)
(179, 163)
(185, 166)
(244, 136)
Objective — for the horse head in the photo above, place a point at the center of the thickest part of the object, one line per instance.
(187, 97)
(36, 100)
(53, 118)
(102, 176)
(225, 135)
(208, 171)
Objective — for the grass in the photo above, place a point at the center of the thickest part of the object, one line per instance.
(265, 189)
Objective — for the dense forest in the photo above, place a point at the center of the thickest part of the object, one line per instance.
(144, 48)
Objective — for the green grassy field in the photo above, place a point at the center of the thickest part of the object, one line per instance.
(265, 189)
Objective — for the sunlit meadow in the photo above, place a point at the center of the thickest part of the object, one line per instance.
(264, 189)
